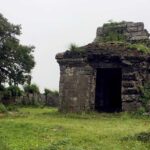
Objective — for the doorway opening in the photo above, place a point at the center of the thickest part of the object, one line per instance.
(108, 90)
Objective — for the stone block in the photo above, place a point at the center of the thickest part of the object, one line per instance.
(131, 106)
(130, 98)
(132, 29)
(129, 77)
(138, 38)
(130, 91)
(128, 84)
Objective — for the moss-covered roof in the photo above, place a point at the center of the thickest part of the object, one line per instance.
(118, 49)
(122, 39)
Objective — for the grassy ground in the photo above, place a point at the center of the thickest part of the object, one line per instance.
(46, 129)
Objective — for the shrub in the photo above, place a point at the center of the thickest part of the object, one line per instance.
(75, 48)
(12, 108)
(112, 32)
(2, 108)
(33, 88)
(145, 97)
(12, 91)
(141, 111)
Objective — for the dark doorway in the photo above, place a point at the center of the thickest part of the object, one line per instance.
(108, 90)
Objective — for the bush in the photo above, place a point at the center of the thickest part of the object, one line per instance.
(12, 91)
(2, 108)
(141, 111)
(33, 88)
(12, 108)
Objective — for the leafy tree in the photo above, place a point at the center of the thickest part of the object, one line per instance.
(33, 88)
(16, 60)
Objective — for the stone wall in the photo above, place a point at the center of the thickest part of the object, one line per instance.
(75, 87)
(78, 76)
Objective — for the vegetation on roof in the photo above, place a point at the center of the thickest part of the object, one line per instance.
(142, 47)
(113, 32)
(75, 48)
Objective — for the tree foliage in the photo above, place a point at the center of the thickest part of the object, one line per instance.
(33, 88)
(16, 60)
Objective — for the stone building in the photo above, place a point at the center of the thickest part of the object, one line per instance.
(105, 76)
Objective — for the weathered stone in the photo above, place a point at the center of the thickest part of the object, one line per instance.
(131, 106)
(130, 98)
(131, 30)
(128, 84)
(78, 73)
(130, 91)
(129, 76)
(138, 38)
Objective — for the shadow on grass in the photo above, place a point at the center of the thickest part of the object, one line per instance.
(83, 115)
(3, 146)
(142, 137)
(61, 144)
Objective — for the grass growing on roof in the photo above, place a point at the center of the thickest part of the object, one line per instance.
(140, 47)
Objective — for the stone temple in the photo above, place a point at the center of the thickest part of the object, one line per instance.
(104, 75)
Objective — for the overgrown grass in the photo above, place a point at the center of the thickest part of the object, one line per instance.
(47, 129)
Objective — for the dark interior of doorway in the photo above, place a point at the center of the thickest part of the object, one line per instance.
(108, 90)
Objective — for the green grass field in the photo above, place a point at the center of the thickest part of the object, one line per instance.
(46, 129)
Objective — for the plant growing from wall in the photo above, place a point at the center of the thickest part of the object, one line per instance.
(145, 96)
(142, 47)
(112, 32)
(75, 48)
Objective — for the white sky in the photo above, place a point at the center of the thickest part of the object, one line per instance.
(51, 25)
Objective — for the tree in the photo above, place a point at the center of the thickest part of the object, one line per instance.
(16, 60)
(33, 88)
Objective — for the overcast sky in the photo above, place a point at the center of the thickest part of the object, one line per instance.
(51, 25)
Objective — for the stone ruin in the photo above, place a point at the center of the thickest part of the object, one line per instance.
(132, 31)
(105, 76)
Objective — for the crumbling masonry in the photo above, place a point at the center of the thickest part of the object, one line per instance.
(105, 76)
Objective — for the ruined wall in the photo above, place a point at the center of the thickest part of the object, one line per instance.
(132, 31)
(134, 76)
(78, 67)
(78, 80)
